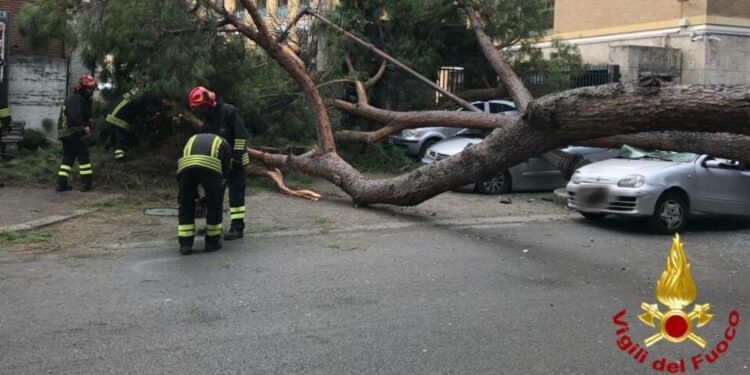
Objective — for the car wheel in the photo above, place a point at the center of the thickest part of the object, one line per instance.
(426, 145)
(670, 214)
(593, 216)
(499, 184)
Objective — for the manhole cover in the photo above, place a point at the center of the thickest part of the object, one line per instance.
(161, 212)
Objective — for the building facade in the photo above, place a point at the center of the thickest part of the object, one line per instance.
(38, 80)
(687, 41)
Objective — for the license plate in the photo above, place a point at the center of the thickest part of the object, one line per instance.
(593, 197)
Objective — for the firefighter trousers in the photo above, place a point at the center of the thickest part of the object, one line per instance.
(211, 182)
(75, 148)
(122, 141)
(237, 183)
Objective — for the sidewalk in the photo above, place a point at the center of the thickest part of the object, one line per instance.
(119, 220)
(21, 205)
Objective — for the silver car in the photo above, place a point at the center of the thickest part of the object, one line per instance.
(533, 174)
(417, 141)
(666, 187)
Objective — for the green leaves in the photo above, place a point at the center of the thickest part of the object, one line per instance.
(45, 22)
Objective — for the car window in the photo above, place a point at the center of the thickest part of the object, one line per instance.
(500, 107)
(479, 106)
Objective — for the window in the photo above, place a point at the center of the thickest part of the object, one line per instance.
(549, 15)
(283, 9)
(499, 107)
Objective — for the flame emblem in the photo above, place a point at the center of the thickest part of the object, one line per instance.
(676, 290)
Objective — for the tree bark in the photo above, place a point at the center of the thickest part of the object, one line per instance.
(729, 146)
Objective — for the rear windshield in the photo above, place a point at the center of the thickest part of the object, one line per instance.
(630, 152)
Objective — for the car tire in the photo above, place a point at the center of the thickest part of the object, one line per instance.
(670, 214)
(500, 184)
(426, 145)
(593, 216)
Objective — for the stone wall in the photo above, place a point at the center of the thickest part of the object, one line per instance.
(37, 90)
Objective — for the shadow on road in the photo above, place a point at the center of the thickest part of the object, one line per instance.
(700, 224)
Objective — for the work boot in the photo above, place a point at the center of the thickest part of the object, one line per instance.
(87, 187)
(213, 243)
(60, 188)
(234, 234)
(186, 249)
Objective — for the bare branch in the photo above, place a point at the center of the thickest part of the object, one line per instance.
(379, 75)
(518, 91)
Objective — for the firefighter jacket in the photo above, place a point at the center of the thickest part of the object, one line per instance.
(75, 115)
(5, 118)
(129, 108)
(206, 151)
(226, 121)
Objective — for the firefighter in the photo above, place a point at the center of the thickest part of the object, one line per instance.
(74, 131)
(206, 161)
(5, 118)
(226, 121)
(131, 107)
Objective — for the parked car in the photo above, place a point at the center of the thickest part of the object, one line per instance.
(533, 174)
(417, 141)
(666, 187)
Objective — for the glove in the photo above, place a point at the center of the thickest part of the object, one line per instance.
(236, 164)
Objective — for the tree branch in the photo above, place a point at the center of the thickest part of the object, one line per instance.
(730, 146)
(518, 91)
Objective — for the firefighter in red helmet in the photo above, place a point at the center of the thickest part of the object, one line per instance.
(226, 121)
(74, 129)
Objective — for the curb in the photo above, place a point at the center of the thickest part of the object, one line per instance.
(560, 197)
(43, 222)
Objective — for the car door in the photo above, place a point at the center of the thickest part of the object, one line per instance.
(723, 186)
(538, 174)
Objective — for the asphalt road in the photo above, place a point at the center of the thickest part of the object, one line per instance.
(505, 297)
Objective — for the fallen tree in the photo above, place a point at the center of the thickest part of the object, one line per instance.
(570, 117)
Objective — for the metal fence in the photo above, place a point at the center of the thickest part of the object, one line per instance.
(590, 75)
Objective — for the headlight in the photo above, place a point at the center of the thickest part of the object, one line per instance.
(633, 181)
(409, 133)
(576, 177)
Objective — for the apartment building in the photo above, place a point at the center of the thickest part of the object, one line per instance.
(688, 41)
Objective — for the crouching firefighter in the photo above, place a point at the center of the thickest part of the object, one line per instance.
(226, 121)
(131, 107)
(74, 131)
(206, 162)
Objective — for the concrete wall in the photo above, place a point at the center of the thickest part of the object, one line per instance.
(635, 61)
(725, 61)
(729, 8)
(37, 89)
(598, 15)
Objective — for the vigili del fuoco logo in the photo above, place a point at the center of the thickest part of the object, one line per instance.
(675, 290)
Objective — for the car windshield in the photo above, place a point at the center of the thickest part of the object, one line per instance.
(630, 152)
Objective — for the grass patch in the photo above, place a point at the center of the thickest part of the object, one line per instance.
(32, 168)
(8, 239)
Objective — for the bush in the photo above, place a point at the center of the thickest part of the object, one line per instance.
(34, 140)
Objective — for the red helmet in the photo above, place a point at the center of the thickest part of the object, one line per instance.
(200, 96)
(85, 81)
